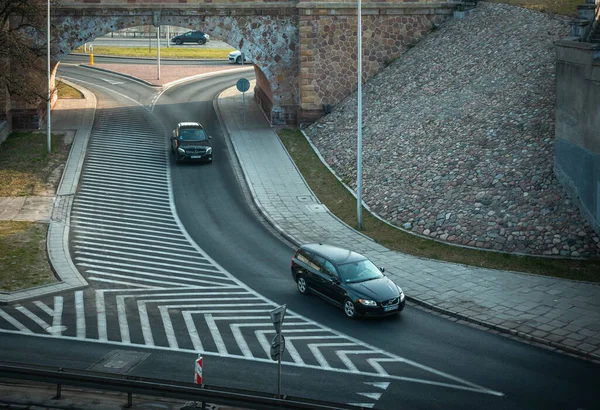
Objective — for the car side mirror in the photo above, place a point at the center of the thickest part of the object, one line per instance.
(209, 137)
(382, 270)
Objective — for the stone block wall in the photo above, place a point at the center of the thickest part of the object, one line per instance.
(328, 45)
(577, 130)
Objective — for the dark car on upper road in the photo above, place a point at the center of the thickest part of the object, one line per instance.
(189, 142)
(346, 279)
(191, 37)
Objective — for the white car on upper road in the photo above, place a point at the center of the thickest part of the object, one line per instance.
(236, 57)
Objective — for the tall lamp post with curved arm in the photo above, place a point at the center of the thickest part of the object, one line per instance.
(359, 125)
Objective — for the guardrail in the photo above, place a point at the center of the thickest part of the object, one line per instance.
(160, 388)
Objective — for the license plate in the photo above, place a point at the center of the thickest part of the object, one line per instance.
(196, 156)
(388, 308)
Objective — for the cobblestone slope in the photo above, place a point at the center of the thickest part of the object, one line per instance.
(458, 137)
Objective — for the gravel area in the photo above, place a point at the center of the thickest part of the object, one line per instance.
(458, 137)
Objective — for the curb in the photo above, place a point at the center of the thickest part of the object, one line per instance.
(504, 330)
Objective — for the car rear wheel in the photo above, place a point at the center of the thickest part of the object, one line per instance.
(178, 42)
(201, 41)
(302, 286)
(349, 309)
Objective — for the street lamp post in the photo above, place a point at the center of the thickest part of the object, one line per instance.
(49, 105)
(359, 125)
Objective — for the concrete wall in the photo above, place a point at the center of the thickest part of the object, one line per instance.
(577, 132)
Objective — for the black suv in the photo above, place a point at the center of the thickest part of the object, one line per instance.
(189, 142)
(191, 37)
(346, 279)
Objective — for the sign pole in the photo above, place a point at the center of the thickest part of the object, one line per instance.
(279, 367)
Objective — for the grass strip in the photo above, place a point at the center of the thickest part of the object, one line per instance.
(66, 91)
(25, 166)
(23, 259)
(343, 204)
(171, 52)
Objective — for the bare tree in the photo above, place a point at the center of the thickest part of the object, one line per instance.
(23, 49)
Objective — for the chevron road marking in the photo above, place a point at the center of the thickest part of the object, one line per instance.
(40, 322)
(15, 322)
(214, 331)
(314, 348)
(343, 355)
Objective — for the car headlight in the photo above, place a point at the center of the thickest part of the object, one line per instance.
(401, 293)
(181, 150)
(209, 150)
(367, 302)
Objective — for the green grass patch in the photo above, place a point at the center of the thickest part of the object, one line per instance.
(26, 168)
(66, 91)
(563, 7)
(171, 52)
(342, 204)
(23, 259)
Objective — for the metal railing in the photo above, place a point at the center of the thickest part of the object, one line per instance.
(160, 388)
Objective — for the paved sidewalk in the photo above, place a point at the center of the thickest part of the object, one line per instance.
(559, 313)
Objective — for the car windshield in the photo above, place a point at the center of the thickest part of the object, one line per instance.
(359, 271)
(192, 134)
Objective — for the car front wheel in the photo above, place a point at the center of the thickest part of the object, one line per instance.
(201, 41)
(302, 286)
(349, 309)
(238, 60)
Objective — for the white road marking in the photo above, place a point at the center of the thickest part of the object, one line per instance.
(80, 314)
(380, 385)
(145, 323)
(168, 327)
(120, 282)
(101, 315)
(191, 327)
(367, 405)
(57, 326)
(44, 307)
(122, 316)
(216, 335)
(113, 82)
(314, 348)
(40, 322)
(20, 327)
(374, 396)
(343, 355)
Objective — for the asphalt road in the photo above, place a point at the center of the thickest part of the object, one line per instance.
(438, 364)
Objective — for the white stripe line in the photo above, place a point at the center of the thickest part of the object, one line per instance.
(168, 326)
(101, 313)
(122, 315)
(179, 274)
(20, 327)
(106, 248)
(80, 314)
(145, 322)
(44, 307)
(343, 355)
(181, 282)
(191, 327)
(120, 282)
(144, 258)
(216, 335)
(33, 317)
(315, 350)
(57, 316)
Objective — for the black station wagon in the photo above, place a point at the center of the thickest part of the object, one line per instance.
(190, 142)
(346, 279)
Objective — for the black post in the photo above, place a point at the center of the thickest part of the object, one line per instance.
(129, 401)
(58, 387)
